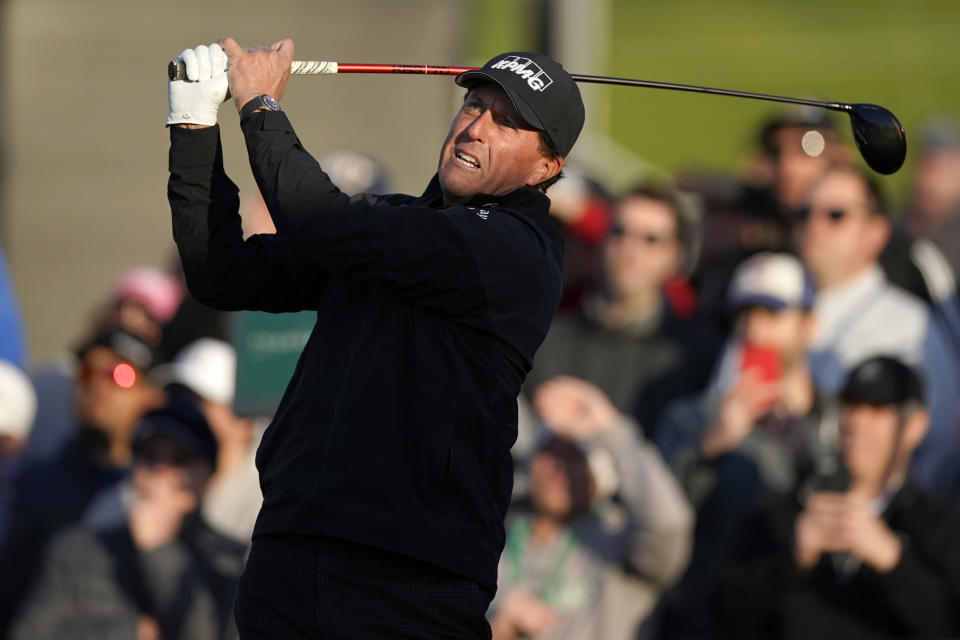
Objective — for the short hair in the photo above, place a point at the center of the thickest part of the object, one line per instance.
(664, 192)
(877, 201)
(548, 149)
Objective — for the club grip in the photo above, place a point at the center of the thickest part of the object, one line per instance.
(176, 70)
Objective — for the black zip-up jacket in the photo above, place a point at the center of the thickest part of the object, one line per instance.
(395, 430)
(764, 595)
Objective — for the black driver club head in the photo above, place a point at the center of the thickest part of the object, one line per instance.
(879, 137)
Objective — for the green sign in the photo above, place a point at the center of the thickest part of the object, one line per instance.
(268, 346)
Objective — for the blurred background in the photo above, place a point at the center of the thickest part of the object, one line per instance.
(736, 303)
(84, 151)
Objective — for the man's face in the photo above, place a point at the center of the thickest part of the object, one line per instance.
(868, 437)
(490, 149)
(795, 171)
(936, 190)
(840, 237)
(549, 487)
(644, 251)
(111, 394)
(162, 460)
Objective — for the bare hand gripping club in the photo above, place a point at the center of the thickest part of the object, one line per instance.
(878, 134)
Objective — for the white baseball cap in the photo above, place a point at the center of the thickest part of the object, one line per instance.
(18, 401)
(771, 280)
(208, 367)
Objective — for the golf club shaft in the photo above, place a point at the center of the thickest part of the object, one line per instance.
(316, 67)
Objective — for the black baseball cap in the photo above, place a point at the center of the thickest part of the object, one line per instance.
(882, 381)
(125, 344)
(182, 421)
(541, 90)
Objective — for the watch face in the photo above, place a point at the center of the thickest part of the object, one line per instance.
(270, 103)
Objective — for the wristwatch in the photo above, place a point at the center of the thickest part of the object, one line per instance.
(260, 102)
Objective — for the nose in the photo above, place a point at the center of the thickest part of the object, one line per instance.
(476, 129)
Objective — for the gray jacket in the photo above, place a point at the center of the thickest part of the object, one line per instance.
(614, 564)
(96, 585)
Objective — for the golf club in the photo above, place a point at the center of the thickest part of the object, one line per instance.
(877, 133)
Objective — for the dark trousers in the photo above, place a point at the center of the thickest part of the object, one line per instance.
(298, 587)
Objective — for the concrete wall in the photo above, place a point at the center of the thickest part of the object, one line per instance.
(84, 194)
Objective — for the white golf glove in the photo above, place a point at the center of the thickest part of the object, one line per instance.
(197, 99)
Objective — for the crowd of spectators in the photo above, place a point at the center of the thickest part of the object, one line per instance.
(744, 421)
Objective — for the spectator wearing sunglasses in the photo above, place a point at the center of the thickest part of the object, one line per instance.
(840, 236)
(160, 572)
(207, 368)
(112, 392)
(625, 338)
(141, 301)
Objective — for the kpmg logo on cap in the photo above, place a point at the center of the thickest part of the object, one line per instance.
(527, 69)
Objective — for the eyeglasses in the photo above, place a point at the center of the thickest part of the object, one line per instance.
(122, 374)
(647, 238)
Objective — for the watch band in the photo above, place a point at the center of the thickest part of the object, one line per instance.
(260, 102)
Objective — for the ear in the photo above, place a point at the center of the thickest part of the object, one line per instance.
(914, 430)
(546, 169)
(880, 230)
(811, 324)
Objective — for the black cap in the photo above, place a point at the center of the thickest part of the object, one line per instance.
(180, 420)
(125, 344)
(882, 381)
(541, 90)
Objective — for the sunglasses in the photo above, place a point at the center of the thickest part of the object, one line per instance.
(834, 215)
(162, 450)
(122, 374)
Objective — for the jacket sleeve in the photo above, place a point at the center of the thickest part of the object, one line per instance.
(222, 270)
(424, 255)
(661, 519)
(934, 462)
(924, 598)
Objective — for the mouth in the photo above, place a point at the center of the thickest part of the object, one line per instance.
(466, 160)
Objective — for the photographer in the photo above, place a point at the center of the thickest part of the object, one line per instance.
(861, 553)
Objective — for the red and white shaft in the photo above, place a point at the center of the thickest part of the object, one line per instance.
(177, 71)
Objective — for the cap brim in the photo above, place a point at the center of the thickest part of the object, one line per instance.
(759, 300)
(169, 427)
(469, 78)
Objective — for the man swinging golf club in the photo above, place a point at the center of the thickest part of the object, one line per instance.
(386, 472)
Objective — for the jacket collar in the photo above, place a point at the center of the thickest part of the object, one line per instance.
(526, 199)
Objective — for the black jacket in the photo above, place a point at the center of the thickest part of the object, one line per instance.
(766, 596)
(395, 430)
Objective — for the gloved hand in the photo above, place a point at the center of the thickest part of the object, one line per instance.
(197, 99)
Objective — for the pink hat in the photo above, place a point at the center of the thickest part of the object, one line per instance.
(156, 290)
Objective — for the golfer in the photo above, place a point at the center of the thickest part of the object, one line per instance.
(386, 472)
